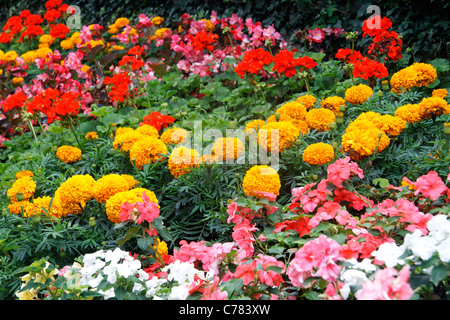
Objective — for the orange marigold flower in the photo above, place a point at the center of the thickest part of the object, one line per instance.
(22, 189)
(126, 140)
(409, 112)
(68, 154)
(307, 100)
(441, 93)
(147, 150)
(182, 159)
(277, 135)
(108, 185)
(433, 107)
(358, 94)
(318, 153)
(174, 135)
(320, 119)
(228, 148)
(91, 135)
(261, 179)
(294, 109)
(24, 173)
(254, 125)
(333, 103)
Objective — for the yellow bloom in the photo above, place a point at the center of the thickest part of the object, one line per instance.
(433, 107)
(441, 93)
(148, 130)
(78, 189)
(68, 154)
(174, 135)
(67, 44)
(126, 140)
(122, 130)
(156, 21)
(95, 43)
(391, 125)
(42, 52)
(24, 173)
(114, 203)
(108, 185)
(228, 148)
(24, 186)
(332, 103)
(29, 56)
(320, 119)
(427, 74)
(22, 207)
(17, 79)
(163, 33)
(209, 158)
(208, 25)
(10, 56)
(113, 29)
(261, 179)
(254, 125)
(182, 159)
(318, 153)
(307, 100)
(44, 202)
(277, 135)
(75, 38)
(361, 143)
(358, 94)
(147, 150)
(416, 75)
(294, 109)
(409, 112)
(132, 182)
(121, 22)
(91, 135)
(47, 39)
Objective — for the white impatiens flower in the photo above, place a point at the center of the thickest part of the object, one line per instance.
(422, 247)
(180, 292)
(437, 222)
(390, 254)
(443, 249)
(181, 272)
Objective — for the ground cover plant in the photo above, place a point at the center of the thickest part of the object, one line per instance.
(213, 159)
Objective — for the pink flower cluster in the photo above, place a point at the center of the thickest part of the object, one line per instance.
(317, 35)
(141, 211)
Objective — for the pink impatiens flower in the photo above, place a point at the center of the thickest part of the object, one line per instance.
(342, 170)
(389, 284)
(430, 185)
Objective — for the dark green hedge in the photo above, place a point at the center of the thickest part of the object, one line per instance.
(424, 24)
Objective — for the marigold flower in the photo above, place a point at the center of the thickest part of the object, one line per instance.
(318, 154)
(277, 135)
(174, 135)
(91, 135)
(391, 125)
(121, 22)
(10, 56)
(24, 173)
(115, 202)
(254, 125)
(358, 94)
(209, 158)
(122, 130)
(441, 93)
(24, 207)
(67, 44)
(156, 21)
(228, 148)
(261, 179)
(182, 159)
(307, 100)
(320, 119)
(147, 150)
(361, 143)
(132, 182)
(147, 130)
(46, 38)
(163, 33)
(28, 57)
(78, 189)
(42, 203)
(333, 103)
(416, 75)
(109, 185)
(68, 154)
(24, 186)
(433, 107)
(126, 140)
(294, 109)
(411, 113)
(427, 74)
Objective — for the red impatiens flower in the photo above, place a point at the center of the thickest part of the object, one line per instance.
(253, 62)
(157, 120)
(119, 89)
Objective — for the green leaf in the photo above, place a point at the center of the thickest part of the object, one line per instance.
(438, 273)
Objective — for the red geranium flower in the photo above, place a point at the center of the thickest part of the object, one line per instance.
(157, 120)
(253, 62)
(59, 31)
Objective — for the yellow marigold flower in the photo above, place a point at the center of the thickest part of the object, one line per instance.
(24, 186)
(122, 130)
(208, 25)
(301, 125)
(277, 135)
(121, 22)
(109, 185)
(294, 109)
(68, 154)
(391, 125)
(281, 117)
(132, 182)
(10, 56)
(24, 173)
(29, 56)
(182, 159)
(163, 33)
(113, 29)
(17, 79)
(77, 189)
(307, 100)
(427, 74)
(174, 135)
(75, 37)
(318, 154)
(46, 38)
(209, 158)
(67, 44)
(156, 21)
(161, 247)
(254, 125)
(361, 143)
(116, 47)
(441, 93)
(228, 148)
(126, 140)
(114, 203)
(91, 135)
(22, 207)
(261, 179)
(95, 43)
(320, 119)
(42, 52)
(409, 112)
(147, 150)
(433, 107)
(148, 130)
(358, 94)
(44, 202)
(405, 183)
(332, 103)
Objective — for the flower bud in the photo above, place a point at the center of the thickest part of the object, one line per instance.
(315, 177)
(19, 196)
(91, 221)
(379, 93)
(447, 128)
(36, 218)
(277, 116)
(332, 125)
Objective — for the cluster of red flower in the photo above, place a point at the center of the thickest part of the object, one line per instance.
(385, 44)
(157, 120)
(204, 40)
(119, 86)
(284, 62)
(363, 67)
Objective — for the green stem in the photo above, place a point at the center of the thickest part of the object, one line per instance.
(32, 130)
(137, 111)
(75, 134)
(307, 84)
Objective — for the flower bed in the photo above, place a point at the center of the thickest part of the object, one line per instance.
(210, 160)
